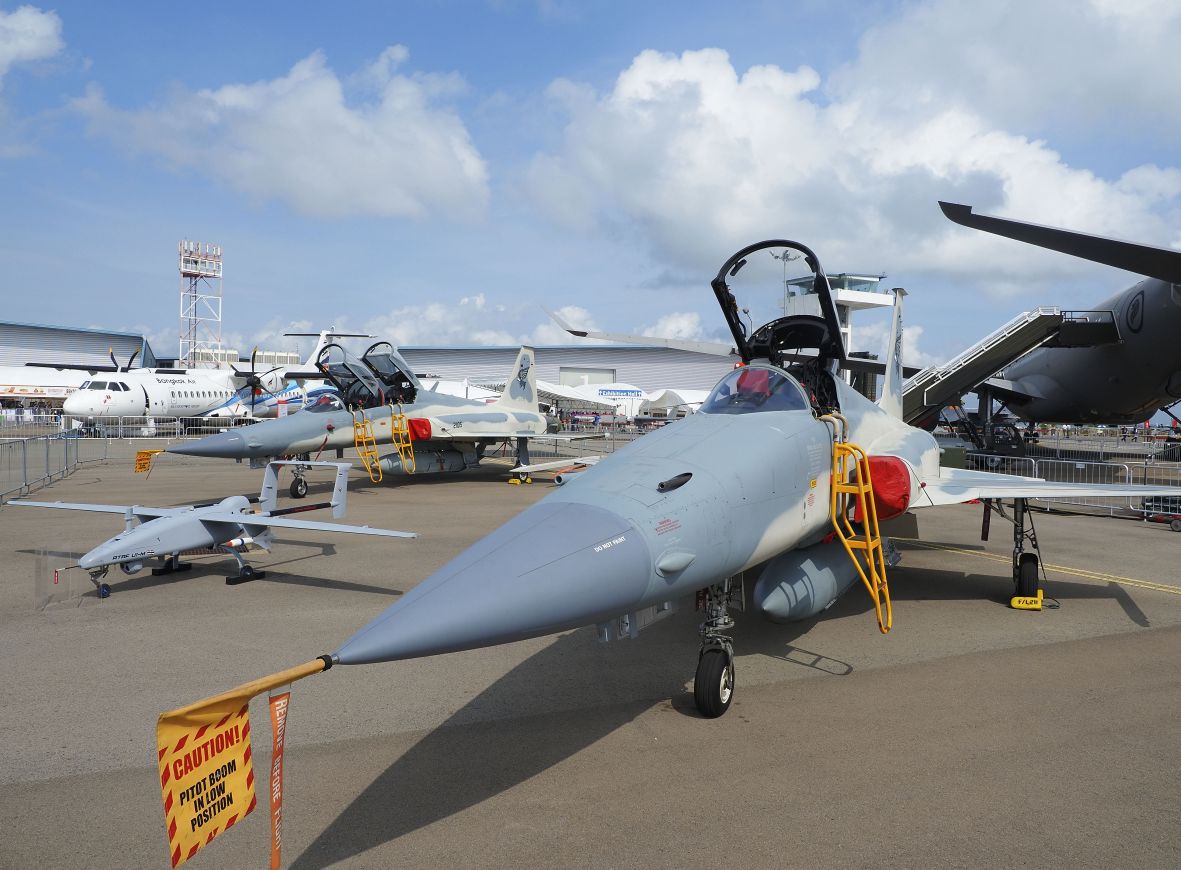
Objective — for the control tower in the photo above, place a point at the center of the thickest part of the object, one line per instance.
(200, 304)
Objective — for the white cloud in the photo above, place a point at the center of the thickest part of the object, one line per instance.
(697, 158)
(875, 336)
(299, 139)
(26, 35)
(685, 325)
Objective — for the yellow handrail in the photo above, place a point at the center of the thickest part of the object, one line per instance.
(852, 485)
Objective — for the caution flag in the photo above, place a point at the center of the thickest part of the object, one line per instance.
(206, 773)
(143, 460)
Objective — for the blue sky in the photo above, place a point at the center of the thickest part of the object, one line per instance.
(436, 171)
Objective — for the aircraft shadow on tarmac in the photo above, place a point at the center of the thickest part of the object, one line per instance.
(479, 753)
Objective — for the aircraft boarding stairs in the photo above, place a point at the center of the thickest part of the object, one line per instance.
(852, 504)
(933, 388)
(366, 444)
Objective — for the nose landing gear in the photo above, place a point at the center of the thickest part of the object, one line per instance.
(713, 685)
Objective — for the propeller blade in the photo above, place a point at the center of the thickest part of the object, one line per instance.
(131, 359)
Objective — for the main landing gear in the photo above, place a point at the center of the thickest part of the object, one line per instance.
(713, 685)
(246, 573)
(1027, 594)
(299, 483)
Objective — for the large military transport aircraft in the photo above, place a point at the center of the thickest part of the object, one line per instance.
(779, 480)
(229, 526)
(381, 401)
(1135, 367)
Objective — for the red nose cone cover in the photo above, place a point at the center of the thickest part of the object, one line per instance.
(420, 429)
(891, 486)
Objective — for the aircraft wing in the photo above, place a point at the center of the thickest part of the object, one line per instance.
(711, 347)
(307, 525)
(1011, 391)
(957, 485)
(136, 510)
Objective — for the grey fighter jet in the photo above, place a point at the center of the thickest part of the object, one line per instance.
(228, 526)
(378, 392)
(779, 481)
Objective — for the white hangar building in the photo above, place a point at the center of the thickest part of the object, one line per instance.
(22, 343)
(571, 365)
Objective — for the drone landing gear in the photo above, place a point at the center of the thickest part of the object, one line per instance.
(245, 572)
(172, 565)
(96, 576)
(299, 483)
(713, 685)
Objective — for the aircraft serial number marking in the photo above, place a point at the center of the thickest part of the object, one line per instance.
(607, 545)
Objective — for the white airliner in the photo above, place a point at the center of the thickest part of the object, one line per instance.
(195, 392)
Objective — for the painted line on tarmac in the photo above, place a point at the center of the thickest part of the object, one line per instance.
(1061, 569)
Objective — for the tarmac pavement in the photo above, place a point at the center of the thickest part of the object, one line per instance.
(971, 735)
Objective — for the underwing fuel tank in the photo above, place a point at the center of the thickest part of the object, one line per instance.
(799, 584)
(444, 460)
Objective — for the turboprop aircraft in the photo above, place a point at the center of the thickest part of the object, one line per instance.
(381, 401)
(228, 526)
(220, 392)
(779, 480)
(1122, 380)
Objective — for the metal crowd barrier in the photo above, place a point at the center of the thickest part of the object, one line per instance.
(28, 462)
(1150, 473)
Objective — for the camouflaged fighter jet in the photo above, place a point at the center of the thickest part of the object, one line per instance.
(228, 526)
(779, 481)
(382, 402)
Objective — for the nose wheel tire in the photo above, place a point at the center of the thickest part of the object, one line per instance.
(713, 687)
(104, 590)
(1027, 576)
(299, 488)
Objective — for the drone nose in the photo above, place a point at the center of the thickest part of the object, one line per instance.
(555, 566)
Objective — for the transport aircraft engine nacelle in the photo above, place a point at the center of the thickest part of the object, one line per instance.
(799, 584)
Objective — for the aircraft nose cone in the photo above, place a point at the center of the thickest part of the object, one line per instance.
(223, 445)
(553, 567)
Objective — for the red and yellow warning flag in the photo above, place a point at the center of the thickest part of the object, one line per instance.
(206, 773)
(143, 460)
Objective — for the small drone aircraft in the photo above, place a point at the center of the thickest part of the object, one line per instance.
(228, 526)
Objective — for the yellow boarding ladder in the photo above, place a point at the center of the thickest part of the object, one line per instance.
(853, 486)
(366, 445)
(400, 431)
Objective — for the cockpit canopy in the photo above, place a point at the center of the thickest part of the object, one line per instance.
(755, 388)
(379, 377)
(324, 403)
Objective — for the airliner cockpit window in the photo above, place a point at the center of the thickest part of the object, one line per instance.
(97, 385)
(755, 388)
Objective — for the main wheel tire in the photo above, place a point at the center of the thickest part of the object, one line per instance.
(1027, 576)
(1175, 525)
(299, 488)
(247, 572)
(713, 687)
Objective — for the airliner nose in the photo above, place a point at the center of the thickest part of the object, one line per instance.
(556, 566)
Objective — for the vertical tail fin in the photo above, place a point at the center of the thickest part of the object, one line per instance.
(268, 496)
(340, 489)
(520, 390)
(891, 400)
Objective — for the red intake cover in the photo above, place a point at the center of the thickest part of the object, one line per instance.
(420, 429)
(891, 486)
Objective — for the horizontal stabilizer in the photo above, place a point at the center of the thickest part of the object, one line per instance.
(1160, 263)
